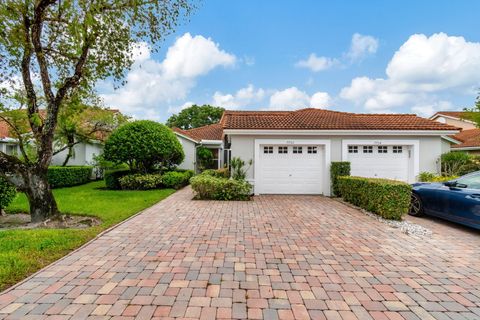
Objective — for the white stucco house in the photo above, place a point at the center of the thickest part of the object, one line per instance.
(292, 150)
(84, 152)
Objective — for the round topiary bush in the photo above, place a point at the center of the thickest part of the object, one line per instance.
(7, 193)
(144, 145)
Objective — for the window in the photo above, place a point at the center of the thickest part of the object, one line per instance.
(11, 149)
(397, 149)
(382, 149)
(471, 181)
(312, 149)
(352, 149)
(297, 149)
(283, 150)
(367, 149)
(268, 149)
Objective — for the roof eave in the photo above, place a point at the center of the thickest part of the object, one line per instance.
(339, 132)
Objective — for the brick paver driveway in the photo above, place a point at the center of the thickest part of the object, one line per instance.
(275, 257)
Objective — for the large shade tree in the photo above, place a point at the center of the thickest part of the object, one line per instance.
(195, 116)
(52, 50)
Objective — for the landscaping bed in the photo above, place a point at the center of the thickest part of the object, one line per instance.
(23, 252)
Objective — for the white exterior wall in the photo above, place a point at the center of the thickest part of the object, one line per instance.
(430, 148)
(189, 150)
(83, 155)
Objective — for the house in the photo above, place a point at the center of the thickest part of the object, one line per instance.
(468, 139)
(84, 153)
(292, 150)
(210, 136)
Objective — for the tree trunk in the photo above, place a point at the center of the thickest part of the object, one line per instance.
(42, 202)
(67, 158)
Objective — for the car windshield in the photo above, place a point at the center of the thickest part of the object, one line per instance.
(471, 181)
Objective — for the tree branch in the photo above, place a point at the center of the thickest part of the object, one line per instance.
(19, 137)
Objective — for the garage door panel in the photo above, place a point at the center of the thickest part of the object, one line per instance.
(290, 173)
(387, 164)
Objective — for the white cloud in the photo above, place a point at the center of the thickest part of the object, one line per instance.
(179, 108)
(241, 98)
(317, 64)
(320, 100)
(428, 109)
(151, 84)
(293, 98)
(423, 68)
(362, 46)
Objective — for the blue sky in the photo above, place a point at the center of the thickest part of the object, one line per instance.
(360, 56)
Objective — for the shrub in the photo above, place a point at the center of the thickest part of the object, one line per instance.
(205, 158)
(455, 163)
(139, 181)
(207, 187)
(239, 172)
(144, 145)
(112, 178)
(338, 169)
(431, 177)
(219, 173)
(176, 180)
(59, 177)
(7, 193)
(388, 198)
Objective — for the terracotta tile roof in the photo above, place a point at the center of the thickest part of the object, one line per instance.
(468, 138)
(4, 130)
(209, 132)
(319, 119)
(454, 114)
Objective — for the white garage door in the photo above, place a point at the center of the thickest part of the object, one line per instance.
(389, 162)
(287, 169)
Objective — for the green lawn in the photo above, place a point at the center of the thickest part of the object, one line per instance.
(23, 252)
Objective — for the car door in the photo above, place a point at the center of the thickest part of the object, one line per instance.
(462, 202)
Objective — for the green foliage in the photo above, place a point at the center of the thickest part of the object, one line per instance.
(59, 177)
(457, 163)
(175, 179)
(195, 116)
(7, 193)
(205, 158)
(431, 177)
(388, 198)
(218, 173)
(239, 172)
(139, 181)
(207, 187)
(112, 178)
(23, 252)
(338, 169)
(144, 145)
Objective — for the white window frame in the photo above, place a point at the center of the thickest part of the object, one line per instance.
(353, 149)
(269, 149)
(382, 149)
(284, 150)
(367, 149)
(296, 149)
(312, 149)
(413, 144)
(320, 142)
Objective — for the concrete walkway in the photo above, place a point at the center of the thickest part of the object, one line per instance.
(277, 257)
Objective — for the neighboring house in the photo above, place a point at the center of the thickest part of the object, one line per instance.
(292, 150)
(468, 139)
(84, 152)
(207, 136)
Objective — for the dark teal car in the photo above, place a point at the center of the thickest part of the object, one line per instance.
(456, 200)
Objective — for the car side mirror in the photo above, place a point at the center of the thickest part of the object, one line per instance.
(450, 184)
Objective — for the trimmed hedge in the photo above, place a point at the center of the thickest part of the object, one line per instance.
(207, 187)
(176, 180)
(7, 193)
(112, 178)
(338, 169)
(139, 181)
(59, 177)
(388, 198)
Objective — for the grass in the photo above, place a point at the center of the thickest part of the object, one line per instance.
(22, 252)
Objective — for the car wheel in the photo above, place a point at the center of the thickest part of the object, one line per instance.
(416, 206)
